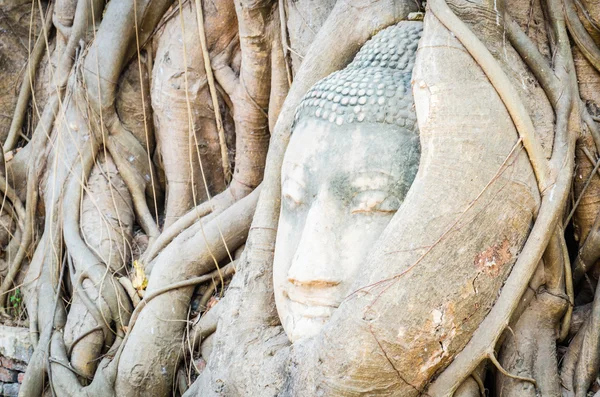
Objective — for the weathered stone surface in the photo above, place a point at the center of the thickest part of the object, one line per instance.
(13, 364)
(7, 375)
(11, 390)
(15, 343)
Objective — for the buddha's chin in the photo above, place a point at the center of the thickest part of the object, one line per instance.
(305, 327)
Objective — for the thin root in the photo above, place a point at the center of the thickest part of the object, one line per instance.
(492, 358)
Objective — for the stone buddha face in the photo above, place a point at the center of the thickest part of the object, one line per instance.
(352, 157)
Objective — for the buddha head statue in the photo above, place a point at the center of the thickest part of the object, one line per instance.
(352, 156)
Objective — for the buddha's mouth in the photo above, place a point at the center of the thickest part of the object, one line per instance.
(311, 311)
(311, 305)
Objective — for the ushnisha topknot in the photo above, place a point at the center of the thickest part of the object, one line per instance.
(375, 87)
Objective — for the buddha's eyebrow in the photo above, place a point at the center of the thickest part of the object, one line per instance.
(371, 179)
(295, 172)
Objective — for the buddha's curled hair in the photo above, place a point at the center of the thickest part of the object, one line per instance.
(375, 87)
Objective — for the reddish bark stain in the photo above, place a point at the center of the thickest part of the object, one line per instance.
(492, 259)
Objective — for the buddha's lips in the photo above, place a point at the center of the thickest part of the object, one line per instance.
(311, 311)
(310, 306)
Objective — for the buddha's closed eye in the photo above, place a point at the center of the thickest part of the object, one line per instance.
(293, 193)
(374, 201)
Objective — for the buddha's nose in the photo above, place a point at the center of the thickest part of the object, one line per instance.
(314, 263)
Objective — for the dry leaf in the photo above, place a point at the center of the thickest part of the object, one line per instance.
(139, 280)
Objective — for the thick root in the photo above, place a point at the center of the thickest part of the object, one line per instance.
(150, 372)
(188, 137)
(530, 350)
(107, 221)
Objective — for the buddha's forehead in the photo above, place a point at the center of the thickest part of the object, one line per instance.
(320, 148)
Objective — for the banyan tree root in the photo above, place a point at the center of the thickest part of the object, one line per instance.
(250, 96)
(35, 58)
(250, 92)
(107, 221)
(529, 350)
(162, 316)
(189, 140)
(99, 180)
(100, 311)
(498, 318)
(42, 132)
(582, 359)
(532, 263)
(73, 147)
(20, 26)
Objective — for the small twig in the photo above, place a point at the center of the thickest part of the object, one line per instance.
(166, 18)
(303, 18)
(566, 321)
(587, 183)
(131, 291)
(213, 93)
(24, 137)
(479, 382)
(205, 325)
(290, 49)
(80, 337)
(284, 41)
(492, 358)
(261, 110)
(207, 295)
(512, 331)
(226, 272)
(587, 16)
(27, 84)
(581, 37)
(69, 367)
